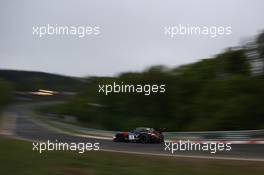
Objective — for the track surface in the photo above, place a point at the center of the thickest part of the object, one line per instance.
(27, 129)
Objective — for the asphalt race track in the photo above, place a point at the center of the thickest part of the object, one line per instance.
(27, 129)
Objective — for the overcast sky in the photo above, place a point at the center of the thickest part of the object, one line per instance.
(132, 33)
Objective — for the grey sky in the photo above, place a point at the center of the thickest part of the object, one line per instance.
(132, 36)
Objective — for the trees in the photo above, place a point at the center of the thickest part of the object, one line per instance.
(219, 93)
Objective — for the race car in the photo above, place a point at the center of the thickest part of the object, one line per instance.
(142, 135)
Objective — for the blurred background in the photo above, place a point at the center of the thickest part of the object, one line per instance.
(49, 86)
(220, 93)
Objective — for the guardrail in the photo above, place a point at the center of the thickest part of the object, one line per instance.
(204, 135)
(220, 135)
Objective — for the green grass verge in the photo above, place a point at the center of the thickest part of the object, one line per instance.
(37, 117)
(17, 158)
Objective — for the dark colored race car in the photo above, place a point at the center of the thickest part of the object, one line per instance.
(142, 135)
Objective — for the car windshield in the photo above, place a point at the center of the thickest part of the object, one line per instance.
(144, 129)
